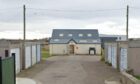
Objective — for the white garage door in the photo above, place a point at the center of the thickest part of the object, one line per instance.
(28, 57)
(114, 57)
(38, 53)
(123, 59)
(109, 54)
(34, 57)
(17, 58)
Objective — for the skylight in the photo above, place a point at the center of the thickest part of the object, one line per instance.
(61, 35)
(83, 41)
(94, 41)
(56, 39)
(89, 35)
(80, 35)
(70, 35)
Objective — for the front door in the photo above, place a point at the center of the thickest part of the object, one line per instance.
(71, 48)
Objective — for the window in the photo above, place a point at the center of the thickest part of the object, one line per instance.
(70, 35)
(94, 41)
(61, 35)
(89, 35)
(80, 35)
(83, 41)
(56, 39)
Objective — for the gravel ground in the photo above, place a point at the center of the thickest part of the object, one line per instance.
(71, 70)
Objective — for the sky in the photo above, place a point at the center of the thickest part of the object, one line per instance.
(42, 16)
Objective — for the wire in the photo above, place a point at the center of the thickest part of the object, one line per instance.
(9, 8)
(60, 10)
(135, 7)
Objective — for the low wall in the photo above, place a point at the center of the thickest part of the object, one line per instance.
(129, 79)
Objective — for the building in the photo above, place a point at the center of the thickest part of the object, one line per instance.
(107, 39)
(119, 37)
(31, 57)
(123, 55)
(134, 56)
(116, 53)
(75, 41)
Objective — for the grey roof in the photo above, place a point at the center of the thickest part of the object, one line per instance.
(56, 38)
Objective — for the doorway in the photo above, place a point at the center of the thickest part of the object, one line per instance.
(92, 49)
(71, 49)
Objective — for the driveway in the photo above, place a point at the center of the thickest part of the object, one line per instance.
(71, 70)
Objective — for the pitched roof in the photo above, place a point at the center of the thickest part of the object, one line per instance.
(78, 35)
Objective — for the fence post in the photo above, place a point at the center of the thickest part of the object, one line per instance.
(13, 55)
(0, 70)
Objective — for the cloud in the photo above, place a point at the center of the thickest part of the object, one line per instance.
(19, 35)
(40, 23)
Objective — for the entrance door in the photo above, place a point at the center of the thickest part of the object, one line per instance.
(71, 49)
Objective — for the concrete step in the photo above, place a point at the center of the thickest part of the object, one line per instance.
(25, 81)
(112, 82)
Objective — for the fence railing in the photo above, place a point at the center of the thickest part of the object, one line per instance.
(7, 70)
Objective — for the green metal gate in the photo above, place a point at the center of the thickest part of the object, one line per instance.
(7, 70)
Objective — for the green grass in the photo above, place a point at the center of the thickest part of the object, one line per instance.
(138, 77)
(45, 54)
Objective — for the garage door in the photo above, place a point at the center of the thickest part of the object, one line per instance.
(28, 57)
(38, 53)
(17, 58)
(34, 57)
(123, 59)
(109, 54)
(114, 57)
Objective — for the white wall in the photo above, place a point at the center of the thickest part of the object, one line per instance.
(84, 48)
(17, 58)
(28, 57)
(58, 49)
(34, 57)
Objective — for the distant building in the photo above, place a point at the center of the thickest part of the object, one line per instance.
(107, 39)
(111, 38)
(75, 41)
(119, 37)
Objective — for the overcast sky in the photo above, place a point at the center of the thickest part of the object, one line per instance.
(108, 16)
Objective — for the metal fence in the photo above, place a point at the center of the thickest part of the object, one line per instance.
(7, 70)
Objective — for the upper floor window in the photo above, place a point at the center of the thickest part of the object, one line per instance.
(56, 39)
(94, 40)
(70, 35)
(84, 41)
(61, 35)
(80, 35)
(89, 35)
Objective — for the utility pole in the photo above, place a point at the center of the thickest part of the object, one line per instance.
(24, 22)
(24, 36)
(127, 23)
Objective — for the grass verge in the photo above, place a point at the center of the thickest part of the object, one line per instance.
(138, 77)
(45, 54)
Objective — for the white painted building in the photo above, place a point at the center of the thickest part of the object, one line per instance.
(75, 41)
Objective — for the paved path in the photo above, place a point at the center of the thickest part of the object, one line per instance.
(71, 70)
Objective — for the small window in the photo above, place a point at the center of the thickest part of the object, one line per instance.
(61, 35)
(80, 35)
(56, 39)
(89, 35)
(83, 41)
(70, 35)
(94, 41)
